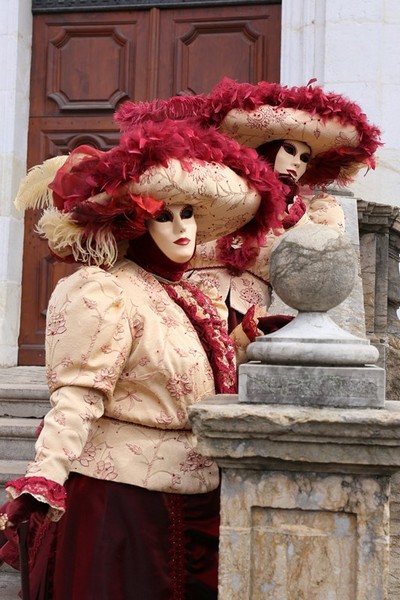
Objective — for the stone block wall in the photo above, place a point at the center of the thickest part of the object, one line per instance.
(379, 229)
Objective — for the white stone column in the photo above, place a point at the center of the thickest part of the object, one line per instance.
(303, 41)
(351, 48)
(15, 51)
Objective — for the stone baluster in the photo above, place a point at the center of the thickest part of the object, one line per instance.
(308, 446)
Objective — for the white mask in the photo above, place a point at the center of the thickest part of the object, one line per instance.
(174, 232)
(292, 159)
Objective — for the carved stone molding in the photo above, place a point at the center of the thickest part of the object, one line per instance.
(47, 6)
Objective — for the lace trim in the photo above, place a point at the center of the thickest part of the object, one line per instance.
(43, 490)
(211, 331)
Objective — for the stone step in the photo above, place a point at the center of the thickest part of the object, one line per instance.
(15, 405)
(17, 438)
(23, 392)
(24, 400)
(9, 470)
(34, 376)
(10, 583)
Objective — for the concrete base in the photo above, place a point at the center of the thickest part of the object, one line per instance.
(302, 535)
(361, 387)
(305, 497)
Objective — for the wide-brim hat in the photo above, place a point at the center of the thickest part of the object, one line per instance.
(337, 131)
(94, 199)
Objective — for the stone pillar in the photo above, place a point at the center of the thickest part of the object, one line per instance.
(380, 247)
(308, 447)
(15, 48)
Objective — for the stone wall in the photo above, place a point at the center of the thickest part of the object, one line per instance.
(379, 229)
(347, 47)
(15, 48)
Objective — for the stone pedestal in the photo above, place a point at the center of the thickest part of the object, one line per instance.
(304, 500)
(304, 536)
(313, 386)
(308, 447)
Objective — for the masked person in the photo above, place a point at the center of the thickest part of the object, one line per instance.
(310, 138)
(120, 503)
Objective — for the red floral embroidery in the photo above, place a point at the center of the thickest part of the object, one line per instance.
(179, 385)
(51, 378)
(91, 397)
(69, 454)
(135, 449)
(250, 295)
(106, 470)
(170, 322)
(164, 419)
(67, 362)
(106, 377)
(91, 304)
(88, 454)
(59, 417)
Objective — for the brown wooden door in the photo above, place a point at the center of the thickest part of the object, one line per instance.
(85, 64)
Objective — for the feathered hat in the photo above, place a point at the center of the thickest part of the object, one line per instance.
(92, 199)
(336, 130)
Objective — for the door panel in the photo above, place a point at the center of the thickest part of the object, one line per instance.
(88, 61)
(202, 47)
(85, 64)
(40, 275)
(48, 137)
(52, 136)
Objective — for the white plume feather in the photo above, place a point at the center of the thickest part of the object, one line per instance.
(33, 191)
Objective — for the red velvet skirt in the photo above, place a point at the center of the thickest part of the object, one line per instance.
(122, 542)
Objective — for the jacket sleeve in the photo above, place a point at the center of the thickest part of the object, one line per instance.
(88, 338)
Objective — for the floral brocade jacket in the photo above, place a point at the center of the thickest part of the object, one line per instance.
(123, 364)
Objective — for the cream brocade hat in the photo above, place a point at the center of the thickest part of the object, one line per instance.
(341, 139)
(93, 200)
(268, 123)
(222, 200)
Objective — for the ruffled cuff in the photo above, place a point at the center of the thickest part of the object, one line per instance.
(44, 490)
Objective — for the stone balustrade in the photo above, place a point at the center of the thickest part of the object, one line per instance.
(308, 447)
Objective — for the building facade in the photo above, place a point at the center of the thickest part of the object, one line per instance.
(347, 47)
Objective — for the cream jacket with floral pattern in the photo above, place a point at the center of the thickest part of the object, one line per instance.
(123, 363)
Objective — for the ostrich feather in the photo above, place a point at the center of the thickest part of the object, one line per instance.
(33, 191)
(65, 237)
